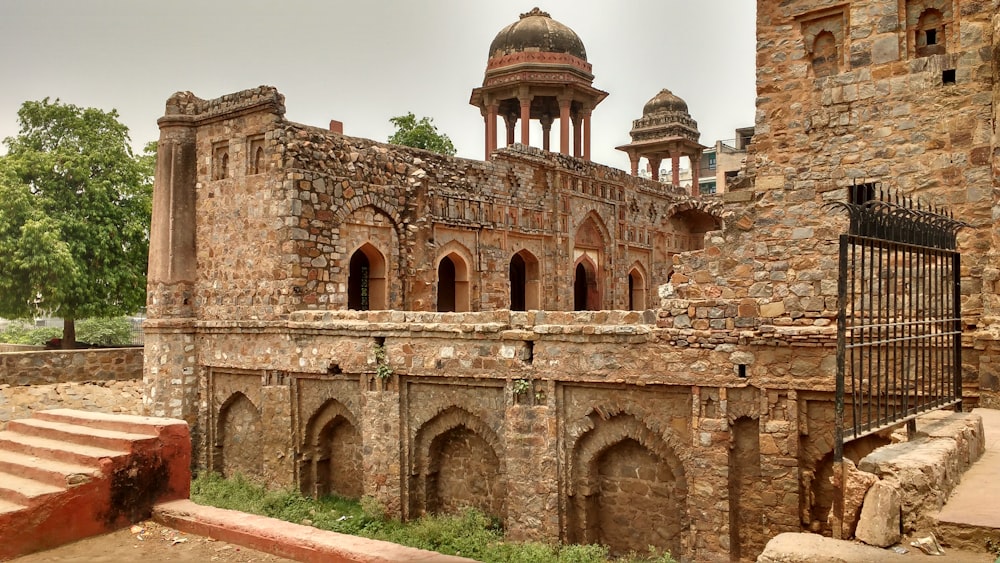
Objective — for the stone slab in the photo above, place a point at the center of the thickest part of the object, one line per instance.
(294, 541)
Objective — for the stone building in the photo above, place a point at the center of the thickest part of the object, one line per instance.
(587, 355)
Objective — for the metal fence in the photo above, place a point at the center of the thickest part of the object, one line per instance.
(899, 323)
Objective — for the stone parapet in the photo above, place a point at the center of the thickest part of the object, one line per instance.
(62, 366)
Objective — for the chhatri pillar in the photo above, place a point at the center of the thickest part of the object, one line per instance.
(665, 131)
(538, 70)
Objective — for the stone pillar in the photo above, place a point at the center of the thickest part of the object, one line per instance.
(510, 120)
(525, 120)
(708, 482)
(577, 135)
(546, 131)
(586, 134)
(381, 431)
(278, 440)
(532, 471)
(695, 176)
(675, 165)
(654, 166)
(564, 105)
(491, 129)
(170, 380)
(634, 161)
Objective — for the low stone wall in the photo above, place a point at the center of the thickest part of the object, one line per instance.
(5, 348)
(103, 380)
(113, 397)
(63, 366)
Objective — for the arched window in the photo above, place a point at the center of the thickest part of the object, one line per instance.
(366, 284)
(930, 33)
(453, 284)
(222, 170)
(825, 58)
(258, 160)
(525, 285)
(585, 292)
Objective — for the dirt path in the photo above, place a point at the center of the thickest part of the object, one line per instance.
(149, 542)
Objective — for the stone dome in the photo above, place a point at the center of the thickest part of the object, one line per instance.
(665, 101)
(537, 31)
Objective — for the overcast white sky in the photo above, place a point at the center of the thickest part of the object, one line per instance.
(362, 62)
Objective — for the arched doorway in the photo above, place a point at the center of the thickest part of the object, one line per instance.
(585, 292)
(525, 285)
(636, 290)
(366, 285)
(453, 284)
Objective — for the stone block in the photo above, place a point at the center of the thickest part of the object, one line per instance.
(856, 486)
(879, 524)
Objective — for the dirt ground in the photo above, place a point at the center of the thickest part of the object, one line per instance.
(149, 542)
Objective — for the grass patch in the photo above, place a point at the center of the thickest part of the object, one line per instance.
(470, 534)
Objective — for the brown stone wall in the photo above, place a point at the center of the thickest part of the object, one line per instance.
(60, 366)
(117, 397)
(614, 414)
(887, 116)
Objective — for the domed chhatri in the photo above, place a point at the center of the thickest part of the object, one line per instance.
(665, 130)
(665, 101)
(537, 31)
(537, 69)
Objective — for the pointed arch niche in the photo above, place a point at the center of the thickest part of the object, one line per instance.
(637, 292)
(590, 246)
(525, 282)
(453, 287)
(366, 280)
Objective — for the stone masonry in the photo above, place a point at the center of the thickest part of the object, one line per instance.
(585, 355)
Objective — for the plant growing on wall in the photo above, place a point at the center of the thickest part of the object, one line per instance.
(382, 368)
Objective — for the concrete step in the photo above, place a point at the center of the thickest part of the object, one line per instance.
(148, 425)
(55, 449)
(48, 471)
(7, 507)
(27, 492)
(77, 434)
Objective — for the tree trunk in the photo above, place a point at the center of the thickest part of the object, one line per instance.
(69, 334)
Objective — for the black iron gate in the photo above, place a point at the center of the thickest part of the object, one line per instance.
(899, 323)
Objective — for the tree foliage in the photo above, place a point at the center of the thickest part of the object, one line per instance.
(422, 134)
(75, 216)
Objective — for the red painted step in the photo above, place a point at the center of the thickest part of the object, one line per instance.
(74, 433)
(46, 470)
(66, 475)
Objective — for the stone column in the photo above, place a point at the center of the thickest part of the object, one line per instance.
(170, 379)
(546, 131)
(278, 439)
(525, 120)
(634, 161)
(491, 129)
(675, 165)
(577, 135)
(695, 164)
(564, 105)
(654, 166)
(510, 120)
(382, 435)
(586, 134)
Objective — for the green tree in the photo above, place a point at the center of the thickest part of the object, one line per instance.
(422, 134)
(74, 221)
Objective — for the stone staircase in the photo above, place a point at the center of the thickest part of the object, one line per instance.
(67, 475)
(972, 513)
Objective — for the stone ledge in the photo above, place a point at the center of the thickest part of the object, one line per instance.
(284, 539)
(929, 468)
